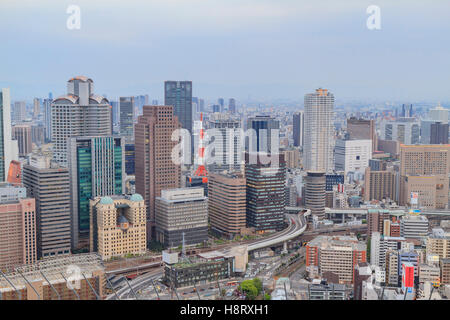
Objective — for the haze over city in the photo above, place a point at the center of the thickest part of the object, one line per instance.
(257, 49)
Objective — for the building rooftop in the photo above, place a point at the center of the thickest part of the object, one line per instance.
(53, 268)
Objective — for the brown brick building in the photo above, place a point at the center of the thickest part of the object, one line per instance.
(155, 169)
(227, 203)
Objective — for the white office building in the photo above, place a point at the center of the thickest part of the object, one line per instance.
(352, 155)
(415, 227)
(78, 113)
(403, 130)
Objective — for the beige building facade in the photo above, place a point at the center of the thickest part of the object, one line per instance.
(118, 226)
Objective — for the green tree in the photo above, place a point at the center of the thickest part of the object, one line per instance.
(267, 296)
(249, 289)
(258, 284)
(368, 249)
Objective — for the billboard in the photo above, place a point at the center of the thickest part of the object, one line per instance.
(407, 276)
(414, 198)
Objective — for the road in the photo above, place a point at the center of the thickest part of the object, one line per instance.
(297, 225)
(137, 284)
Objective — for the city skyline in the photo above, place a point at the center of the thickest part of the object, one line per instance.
(278, 49)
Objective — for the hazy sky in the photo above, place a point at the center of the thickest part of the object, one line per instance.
(264, 49)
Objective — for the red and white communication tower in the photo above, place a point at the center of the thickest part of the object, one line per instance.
(201, 170)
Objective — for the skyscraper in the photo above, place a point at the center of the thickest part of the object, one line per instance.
(221, 103)
(407, 110)
(154, 167)
(48, 119)
(266, 197)
(424, 170)
(36, 108)
(9, 149)
(298, 128)
(48, 183)
(226, 144)
(97, 168)
(179, 95)
(227, 203)
(22, 133)
(79, 113)
(127, 116)
(361, 129)
(20, 111)
(319, 130)
(265, 127)
(232, 105)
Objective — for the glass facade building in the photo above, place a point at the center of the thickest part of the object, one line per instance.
(97, 168)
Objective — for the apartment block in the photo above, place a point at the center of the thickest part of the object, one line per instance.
(338, 254)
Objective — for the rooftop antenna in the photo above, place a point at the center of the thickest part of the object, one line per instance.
(201, 171)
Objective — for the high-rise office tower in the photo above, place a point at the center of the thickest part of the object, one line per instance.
(315, 193)
(202, 105)
(115, 112)
(154, 167)
(97, 168)
(232, 105)
(319, 131)
(117, 225)
(361, 129)
(36, 108)
(179, 95)
(298, 128)
(49, 183)
(17, 227)
(9, 149)
(438, 114)
(379, 185)
(19, 111)
(127, 116)
(227, 203)
(266, 197)
(439, 133)
(226, 146)
(182, 213)
(130, 158)
(266, 128)
(48, 119)
(79, 113)
(22, 133)
(38, 134)
(221, 103)
(407, 110)
(424, 170)
(140, 102)
(215, 108)
(404, 130)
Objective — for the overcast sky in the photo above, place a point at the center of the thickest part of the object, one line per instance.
(265, 49)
